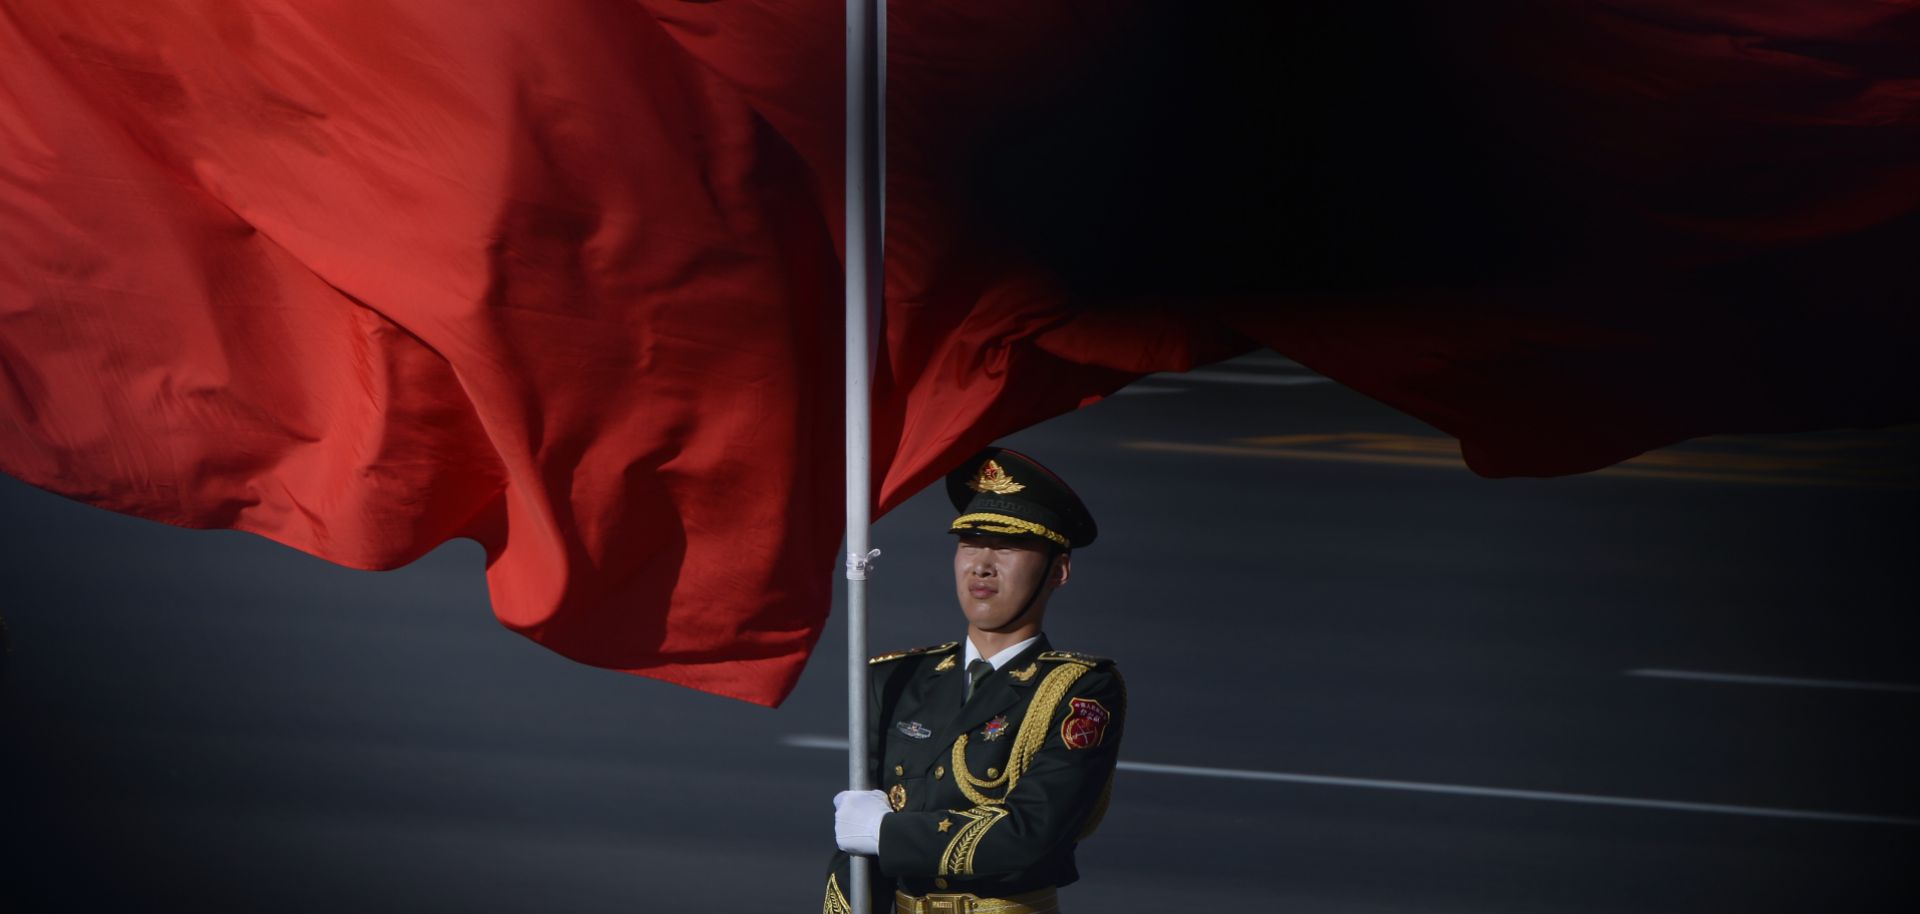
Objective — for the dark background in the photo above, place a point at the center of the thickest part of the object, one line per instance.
(206, 721)
(1261, 149)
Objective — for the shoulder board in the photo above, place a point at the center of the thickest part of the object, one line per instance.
(1075, 657)
(915, 652)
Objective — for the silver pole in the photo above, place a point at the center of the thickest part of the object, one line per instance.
(863, 259)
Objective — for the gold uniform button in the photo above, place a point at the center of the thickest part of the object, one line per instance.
(899, 769)
(939, 883)
(993, 772)
(939, 771)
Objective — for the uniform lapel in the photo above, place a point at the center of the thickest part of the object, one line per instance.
(999, 692)
(941, 693)
(945, 691)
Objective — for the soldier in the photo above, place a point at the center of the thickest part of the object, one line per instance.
(994, 754)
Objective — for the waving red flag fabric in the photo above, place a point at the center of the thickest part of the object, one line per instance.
(362, 277)
(1565, 233)
(563, 278)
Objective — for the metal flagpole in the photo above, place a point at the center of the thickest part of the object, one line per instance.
(863, 263)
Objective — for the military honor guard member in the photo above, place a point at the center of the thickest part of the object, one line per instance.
(994, 754)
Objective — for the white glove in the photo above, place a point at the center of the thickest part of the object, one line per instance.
(856, 820)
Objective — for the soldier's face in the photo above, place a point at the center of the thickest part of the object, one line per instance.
(994, 575)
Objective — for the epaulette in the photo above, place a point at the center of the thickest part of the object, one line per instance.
(1075, 657)
(915, 652)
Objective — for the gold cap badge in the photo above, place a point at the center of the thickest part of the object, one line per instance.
(992, 478)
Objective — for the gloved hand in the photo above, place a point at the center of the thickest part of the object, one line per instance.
(856, 820)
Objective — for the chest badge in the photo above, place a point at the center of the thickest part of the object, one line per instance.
(913, 729)
(994, 729)
(897, 797)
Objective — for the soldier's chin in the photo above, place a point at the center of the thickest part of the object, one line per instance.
(980, 614)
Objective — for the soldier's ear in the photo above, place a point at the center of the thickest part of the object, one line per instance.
(1062, 569)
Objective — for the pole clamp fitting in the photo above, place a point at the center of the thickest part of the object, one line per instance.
(858, 565)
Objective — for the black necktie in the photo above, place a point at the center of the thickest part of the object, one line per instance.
(978, 670)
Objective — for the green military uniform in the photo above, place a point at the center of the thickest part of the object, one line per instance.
(990, 794)
(993, 798)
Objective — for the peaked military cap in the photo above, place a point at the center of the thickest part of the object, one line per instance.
(1007, 493)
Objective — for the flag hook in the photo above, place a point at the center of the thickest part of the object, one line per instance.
(858, 565)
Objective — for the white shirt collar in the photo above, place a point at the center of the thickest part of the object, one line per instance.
(1000, 659)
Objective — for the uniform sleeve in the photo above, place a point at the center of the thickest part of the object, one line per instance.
(1061, 790)
(838, 895)
(836, 900)
(839, 867)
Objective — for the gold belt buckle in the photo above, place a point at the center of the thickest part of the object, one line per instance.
(950, 904)
(969, 903)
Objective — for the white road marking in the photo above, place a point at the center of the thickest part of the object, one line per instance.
(804, 741)
(1743, 679)
(1237, 377)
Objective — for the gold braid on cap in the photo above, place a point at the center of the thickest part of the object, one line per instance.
(1006, 525)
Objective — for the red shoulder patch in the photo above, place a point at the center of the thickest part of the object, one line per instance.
(1086, 724)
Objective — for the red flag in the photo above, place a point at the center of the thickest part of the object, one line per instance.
(364, 277)
(1566, 233)
(565, 279)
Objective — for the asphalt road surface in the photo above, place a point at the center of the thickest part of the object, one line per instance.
(1362, 680)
